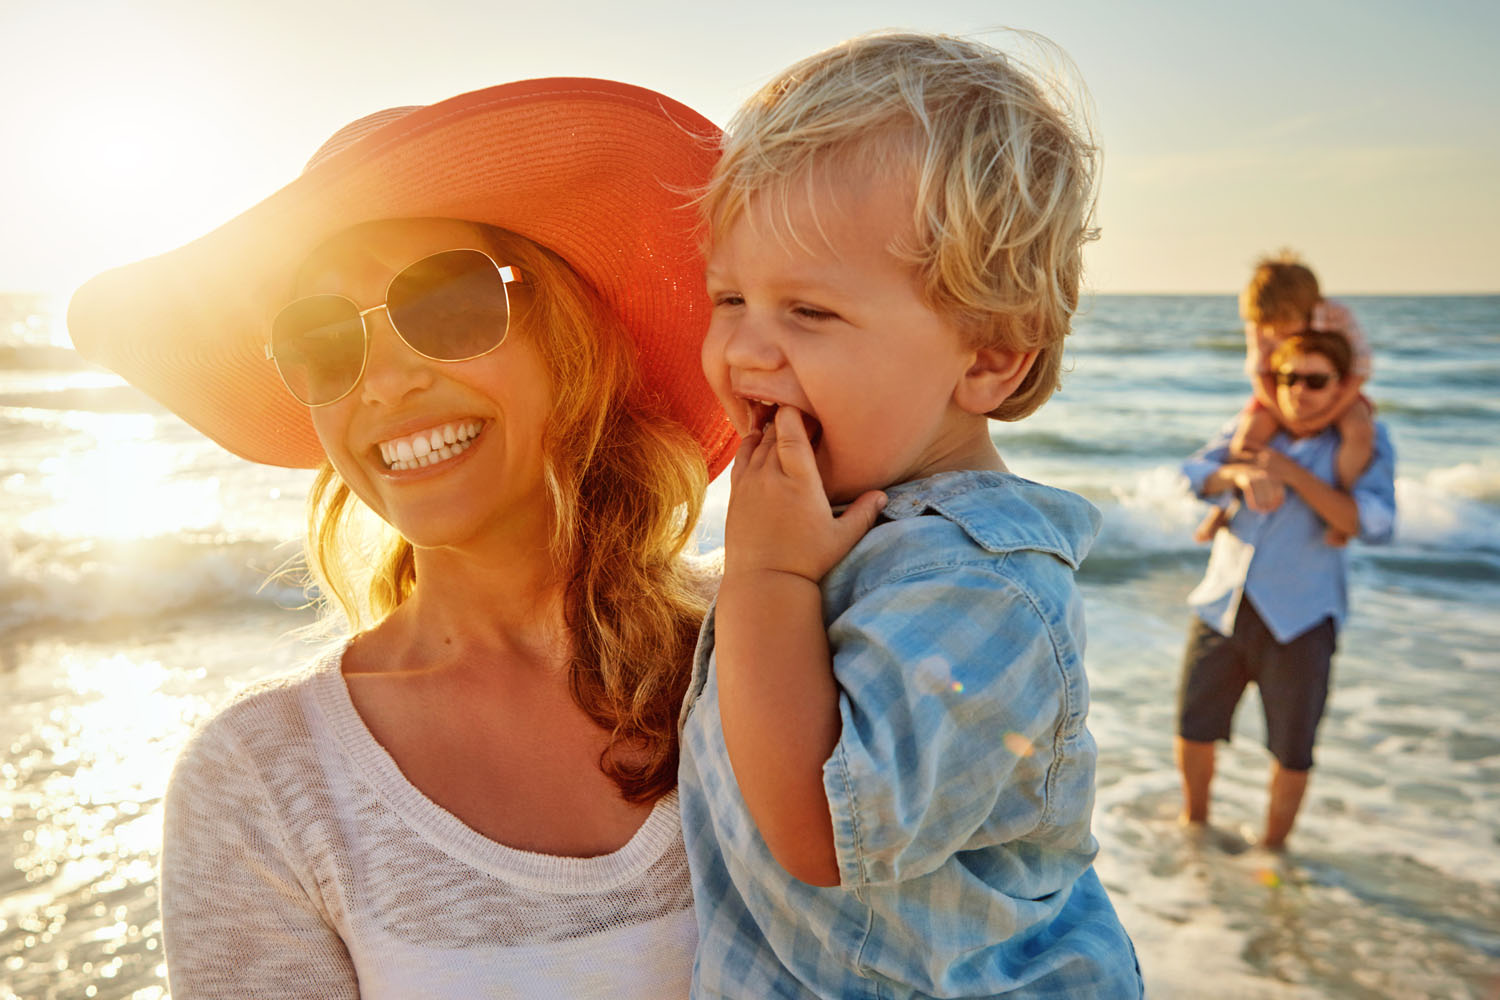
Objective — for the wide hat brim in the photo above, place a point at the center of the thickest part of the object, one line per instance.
(602, 173)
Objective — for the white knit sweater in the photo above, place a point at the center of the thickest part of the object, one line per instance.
(299, 862)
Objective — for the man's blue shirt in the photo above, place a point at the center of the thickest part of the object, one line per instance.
(1279, 561)
(962, 785)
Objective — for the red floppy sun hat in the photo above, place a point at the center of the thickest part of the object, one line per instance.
(601, 173)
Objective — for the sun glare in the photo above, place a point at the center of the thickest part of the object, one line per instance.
(125, 487)
(125, 172)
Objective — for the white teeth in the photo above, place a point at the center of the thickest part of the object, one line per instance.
(429, 447)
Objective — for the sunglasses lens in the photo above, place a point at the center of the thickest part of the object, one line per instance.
(450, 306)
(1313, 380)
(319, 346)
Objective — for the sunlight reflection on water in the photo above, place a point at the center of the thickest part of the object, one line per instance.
(145, 497)
(82, 793)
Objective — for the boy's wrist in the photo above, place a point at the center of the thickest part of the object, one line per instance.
(764, 579)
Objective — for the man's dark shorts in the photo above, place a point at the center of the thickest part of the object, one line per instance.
(1292, 677)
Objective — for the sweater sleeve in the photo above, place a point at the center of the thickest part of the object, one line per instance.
(1207, 460)
(239, 916)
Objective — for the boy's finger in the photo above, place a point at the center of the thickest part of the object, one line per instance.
(859, 517)
(742, 456)
(792, 445)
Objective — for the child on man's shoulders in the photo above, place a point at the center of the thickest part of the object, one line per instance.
(1282, 298)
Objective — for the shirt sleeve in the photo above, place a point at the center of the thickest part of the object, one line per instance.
(237, 920)
(953, 706)
(1375, 492)
(1206, 460)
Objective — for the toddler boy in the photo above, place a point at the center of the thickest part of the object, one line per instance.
(886, 777)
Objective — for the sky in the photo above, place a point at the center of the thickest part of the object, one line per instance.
(1363, 133)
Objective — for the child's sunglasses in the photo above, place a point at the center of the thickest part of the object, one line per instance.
(453, 305)
(1314, 380)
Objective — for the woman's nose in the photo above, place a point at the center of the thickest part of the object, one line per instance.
(392, 369)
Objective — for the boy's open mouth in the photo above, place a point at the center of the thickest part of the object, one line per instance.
(763, 412)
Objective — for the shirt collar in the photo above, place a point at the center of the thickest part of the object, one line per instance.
(1001, 512)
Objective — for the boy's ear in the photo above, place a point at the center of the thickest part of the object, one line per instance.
(992, 376)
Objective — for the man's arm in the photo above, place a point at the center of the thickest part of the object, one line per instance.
(778, 701)
(1262, 491)
(1333, 505)
(1368, 511)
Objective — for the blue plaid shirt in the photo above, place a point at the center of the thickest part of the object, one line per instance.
(962, 783)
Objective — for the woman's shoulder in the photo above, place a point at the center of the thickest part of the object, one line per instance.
(270, 715)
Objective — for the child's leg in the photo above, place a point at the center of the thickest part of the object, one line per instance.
(1356, 446)
(1356, 443)
(1215, 519)
(1257, 427)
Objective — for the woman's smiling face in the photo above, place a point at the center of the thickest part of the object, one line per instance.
(480, 422)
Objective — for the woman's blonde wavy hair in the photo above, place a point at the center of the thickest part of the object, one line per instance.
(626, 486)
(1004, 169)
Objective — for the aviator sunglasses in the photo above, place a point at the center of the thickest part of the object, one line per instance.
(453, 305)
(1314, 380)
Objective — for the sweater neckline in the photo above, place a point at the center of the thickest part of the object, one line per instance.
(528, 869)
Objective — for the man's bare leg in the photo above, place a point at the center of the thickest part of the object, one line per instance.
(1287, 788)
(1196, 762)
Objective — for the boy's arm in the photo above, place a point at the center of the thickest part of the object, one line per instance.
(778, 702)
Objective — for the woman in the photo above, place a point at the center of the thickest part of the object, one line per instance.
(486, 316)
(1276, 592)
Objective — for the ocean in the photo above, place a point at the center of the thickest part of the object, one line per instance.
(137, 590)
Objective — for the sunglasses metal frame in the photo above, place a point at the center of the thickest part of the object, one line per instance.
(509, 275)
(1290, 379)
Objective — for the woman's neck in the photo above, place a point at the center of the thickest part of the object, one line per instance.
(477, 608)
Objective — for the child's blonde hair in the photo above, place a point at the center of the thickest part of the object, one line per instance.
(1004, 178)
(626, 486)
(1282, 289)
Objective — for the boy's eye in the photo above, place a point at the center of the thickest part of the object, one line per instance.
(728, 299)
(814, 313)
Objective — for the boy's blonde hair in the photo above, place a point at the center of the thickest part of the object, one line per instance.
(626, 486)
(1282, 289)
(1004, 178)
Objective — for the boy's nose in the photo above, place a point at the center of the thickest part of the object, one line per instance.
(392, 370)
(750, 345)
